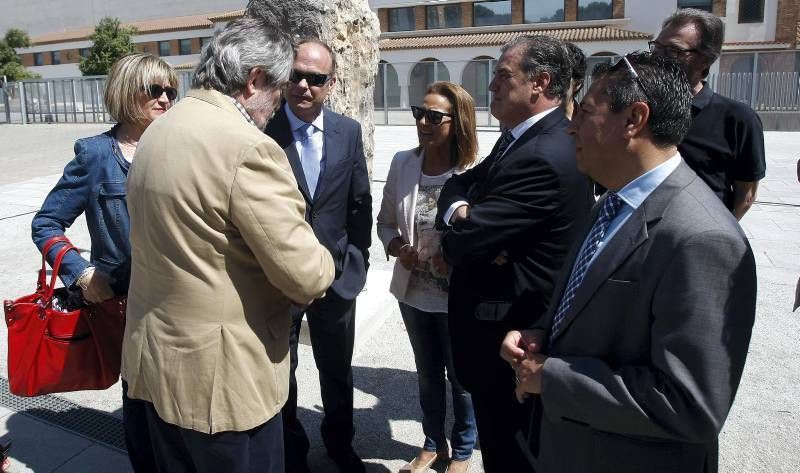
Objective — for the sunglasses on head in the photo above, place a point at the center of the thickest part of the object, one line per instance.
(312, 78)
(155, 91)
(434, 117)
(623, 61)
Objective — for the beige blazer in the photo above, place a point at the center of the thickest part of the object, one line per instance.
(398, 207)
(219, 248)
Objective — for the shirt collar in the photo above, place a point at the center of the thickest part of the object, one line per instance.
(242, 110)
(295, 122)
(520, 129)
(636, 191)
(702, 99)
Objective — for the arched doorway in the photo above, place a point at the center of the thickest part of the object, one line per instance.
(424, 73)
(476, 77)
(387, 87)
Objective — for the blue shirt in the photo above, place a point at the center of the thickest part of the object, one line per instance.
(632, 196)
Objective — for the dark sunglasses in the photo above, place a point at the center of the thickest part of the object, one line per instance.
(624, 61)
(434, 117)
(669, 50)
(155, 91)
(312, 78)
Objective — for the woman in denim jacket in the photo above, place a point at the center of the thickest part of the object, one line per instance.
(139, 88)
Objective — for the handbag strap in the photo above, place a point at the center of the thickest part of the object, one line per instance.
(40, 284)
(47, 294)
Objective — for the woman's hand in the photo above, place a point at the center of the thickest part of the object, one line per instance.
(406, 253)
(440, 266)
(96, 286)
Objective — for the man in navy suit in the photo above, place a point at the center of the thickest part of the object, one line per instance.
(326, 154)
(508, 223)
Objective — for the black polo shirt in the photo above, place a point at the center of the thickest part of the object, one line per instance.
(724, 144)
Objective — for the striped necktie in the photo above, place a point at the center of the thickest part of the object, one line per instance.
(610, 208)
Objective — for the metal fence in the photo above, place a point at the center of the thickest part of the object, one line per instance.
(398, 86)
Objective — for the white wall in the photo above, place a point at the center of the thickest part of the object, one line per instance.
(647, 15)
(765, 31)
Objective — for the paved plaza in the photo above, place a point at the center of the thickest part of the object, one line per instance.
(80, 432)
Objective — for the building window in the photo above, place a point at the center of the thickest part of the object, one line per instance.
(751, 11)
(38, 59)
(707, 5)
(594, 9)
(402, 19)
(164, 48)
(84, 52)
(204, 42)
(185, 46)
(492, 13)
(55, 57)
(444, 16)
(544, 11)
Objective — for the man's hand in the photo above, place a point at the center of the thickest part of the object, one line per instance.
(501, 259)
(461, 213)
(96, 286)
(529, 376)
(517, 344)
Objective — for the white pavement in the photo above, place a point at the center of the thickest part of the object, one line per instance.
(762, 433)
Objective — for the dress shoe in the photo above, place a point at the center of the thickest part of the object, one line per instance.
(348, 461)
(421, 463)
(459, 466)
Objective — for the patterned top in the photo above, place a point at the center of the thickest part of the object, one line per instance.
(241, 109)
(427, 289)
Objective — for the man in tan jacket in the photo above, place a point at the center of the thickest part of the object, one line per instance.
(220, 252)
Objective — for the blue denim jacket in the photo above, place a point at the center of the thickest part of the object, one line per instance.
(93, 182)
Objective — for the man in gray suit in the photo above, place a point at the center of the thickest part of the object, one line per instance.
(636, 364)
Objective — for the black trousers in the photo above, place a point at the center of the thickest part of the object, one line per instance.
(157, 446)
(331, 325)
(500, 418)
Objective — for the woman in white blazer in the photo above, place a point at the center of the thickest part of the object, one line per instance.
(448, 144)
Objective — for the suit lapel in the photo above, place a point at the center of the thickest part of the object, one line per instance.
(628, 238)
(278, 128)
(548, 121)
(331, 149)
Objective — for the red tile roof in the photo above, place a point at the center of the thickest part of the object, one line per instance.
(585, 34)
(161, 25)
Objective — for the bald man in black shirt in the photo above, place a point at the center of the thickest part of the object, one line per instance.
(725, 145)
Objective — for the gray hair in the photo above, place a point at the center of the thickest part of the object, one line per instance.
(241, 46)
(710, 27)
(544, 54)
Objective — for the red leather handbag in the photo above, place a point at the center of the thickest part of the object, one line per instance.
(52, 351)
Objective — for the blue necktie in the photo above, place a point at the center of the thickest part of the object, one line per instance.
(308, 157)
(610, 208)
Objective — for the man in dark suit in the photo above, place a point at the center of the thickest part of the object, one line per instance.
(507, 226)
(637, 363)
(326, 154)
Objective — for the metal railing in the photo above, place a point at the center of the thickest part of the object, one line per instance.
(398, 86)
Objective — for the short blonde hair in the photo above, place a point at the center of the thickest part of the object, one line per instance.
(130, 76)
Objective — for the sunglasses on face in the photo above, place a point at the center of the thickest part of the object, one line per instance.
(669, 50)
(155, 91)
(434, 117)
(623, 61)
(313, 79)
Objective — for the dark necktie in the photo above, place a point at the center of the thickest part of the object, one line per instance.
(502, 145)
(610, 208)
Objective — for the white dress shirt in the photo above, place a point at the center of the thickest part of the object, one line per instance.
(316, 145)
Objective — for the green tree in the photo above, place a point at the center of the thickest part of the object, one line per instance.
(16, 38)
(110, 41)
(10, 63)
